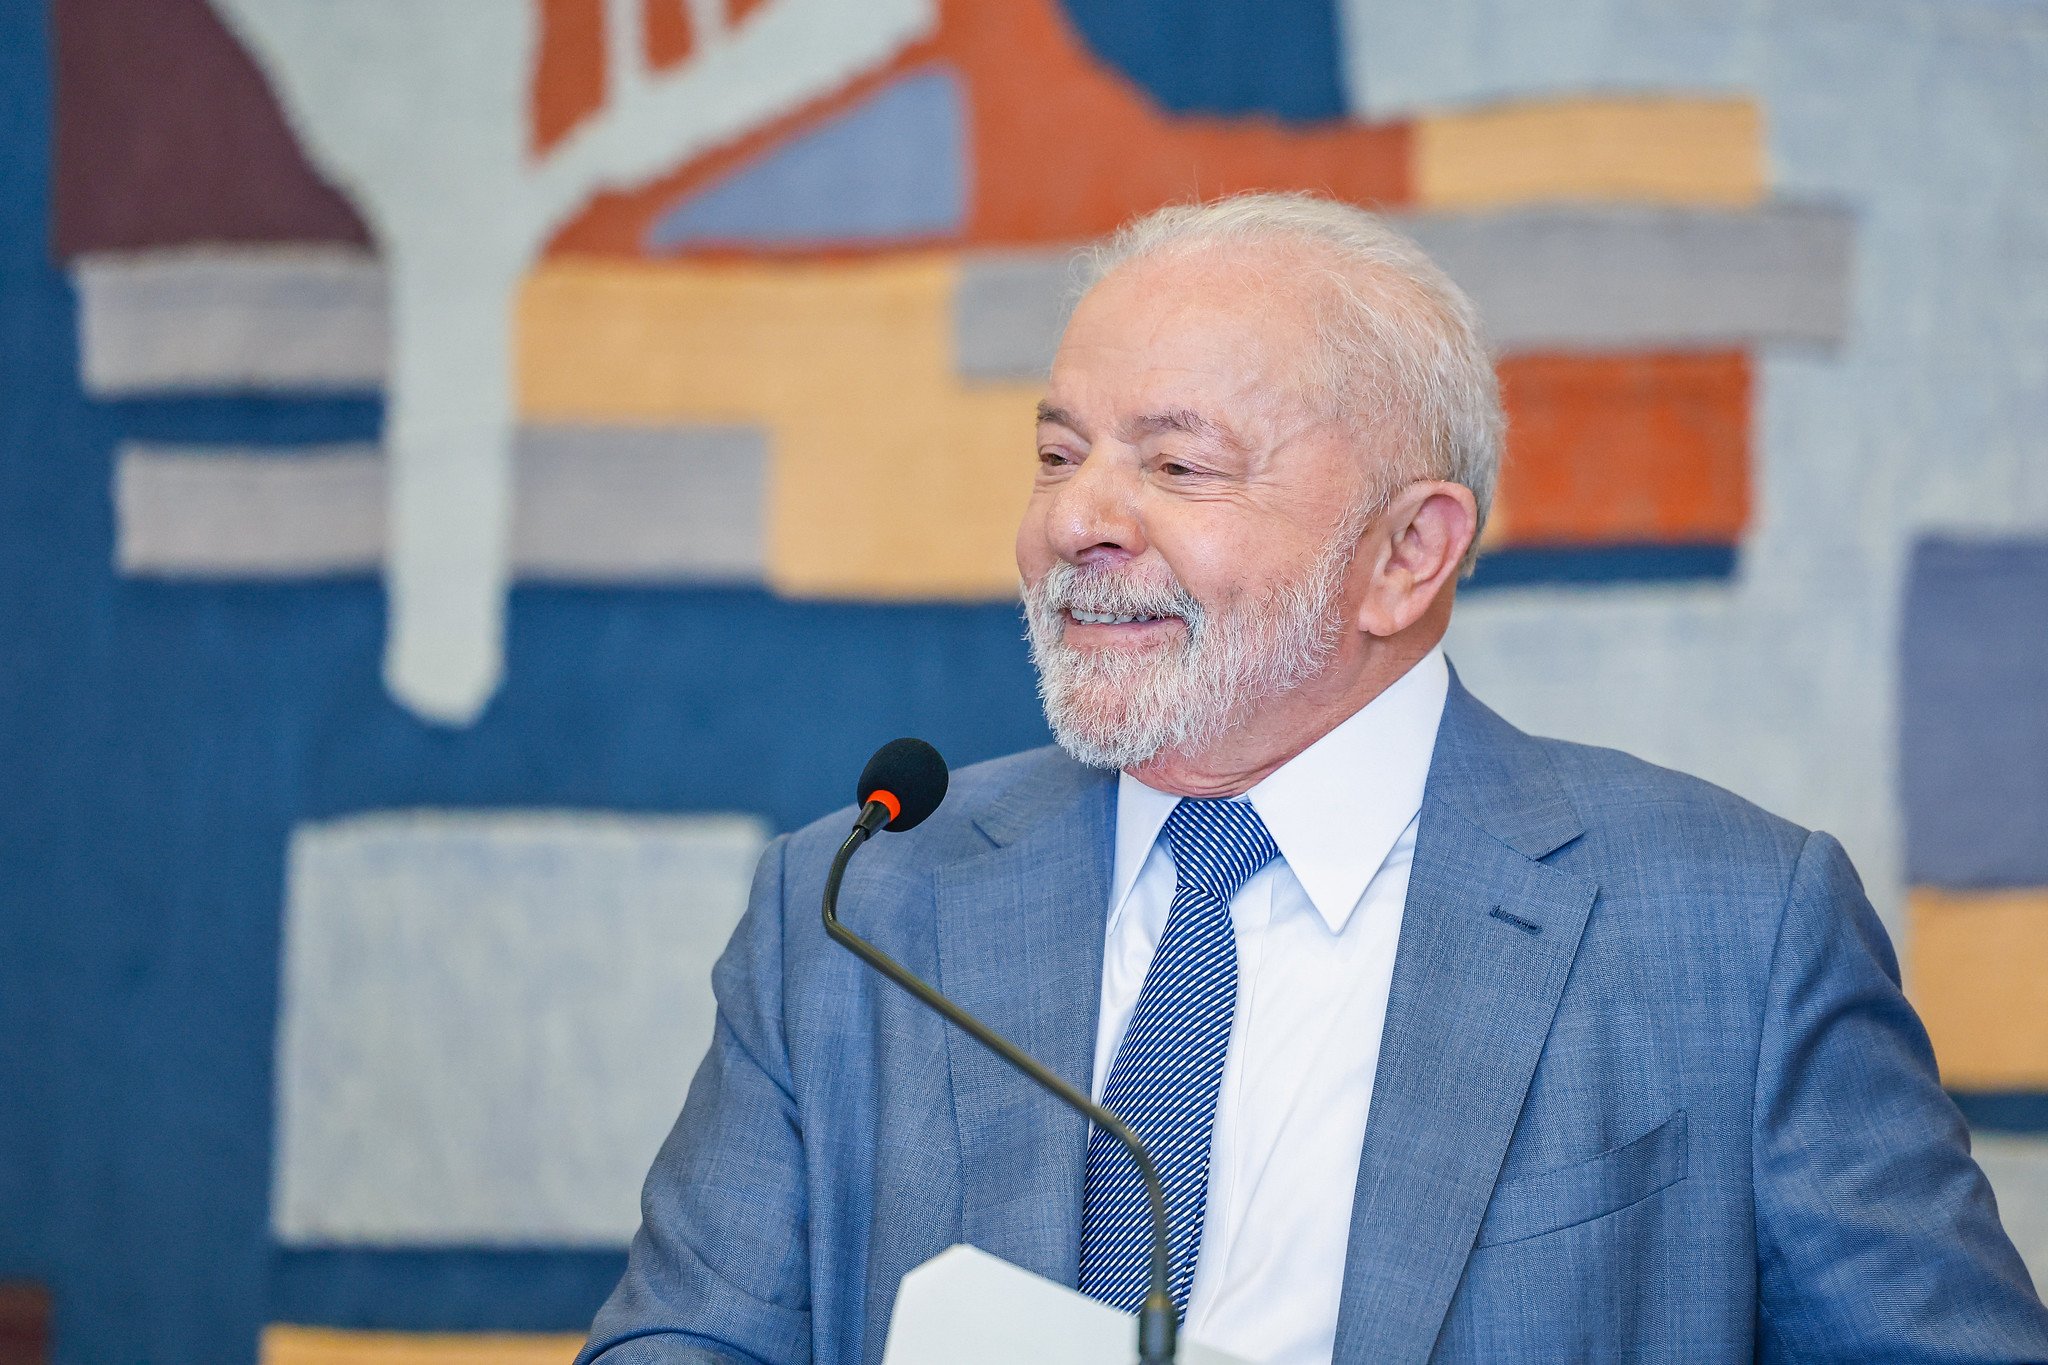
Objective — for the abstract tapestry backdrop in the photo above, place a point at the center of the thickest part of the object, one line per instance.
(466, 467)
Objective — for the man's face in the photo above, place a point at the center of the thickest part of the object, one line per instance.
(1186, 551)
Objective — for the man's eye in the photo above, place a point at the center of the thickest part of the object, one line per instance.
(1052, 458)
(1174, 469)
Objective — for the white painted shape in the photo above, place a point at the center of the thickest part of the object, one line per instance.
(785, 55)
(211, 318)
(707, 20)
(625, 40)
(964, 1304)
(1929, 123)
(488, 1019)
(419, 113)
(448, 433)
(2018, 1171)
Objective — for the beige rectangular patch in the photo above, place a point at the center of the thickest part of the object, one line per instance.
(1975, 972)
(325, 1346)
(1635, 149)
(891, 477)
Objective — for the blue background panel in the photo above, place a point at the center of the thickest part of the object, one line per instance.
(275, 422)
(1276, 57)
(1522, 566)
(2003, 1111)
(466, 1289)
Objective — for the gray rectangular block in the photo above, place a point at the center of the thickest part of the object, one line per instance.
(1564, 278)
(487, 1019)
(591, 505)
(213, 512)
(1626, 277)
(2018, 1170)
(1009, 311)
(238, 318)
(626, 504)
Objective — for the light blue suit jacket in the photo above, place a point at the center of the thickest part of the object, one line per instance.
(1648, 1089)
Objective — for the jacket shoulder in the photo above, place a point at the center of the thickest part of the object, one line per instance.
(1592, 807)
(1665, 826)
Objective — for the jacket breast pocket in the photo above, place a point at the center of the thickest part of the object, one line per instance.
(1565, 1196)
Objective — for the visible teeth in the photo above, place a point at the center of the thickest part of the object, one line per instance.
(1101, 618)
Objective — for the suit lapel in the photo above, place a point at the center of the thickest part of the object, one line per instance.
(1487, 940)
(1020, 945)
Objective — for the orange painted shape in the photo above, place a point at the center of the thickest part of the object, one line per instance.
(736, 11)
(1623, 449)
(666, 27)
(568, 75)
(1063, 148)
(1973, 970)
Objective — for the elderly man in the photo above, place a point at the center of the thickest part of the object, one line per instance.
(1455, 1044)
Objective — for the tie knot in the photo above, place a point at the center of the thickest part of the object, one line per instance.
(1217, 844)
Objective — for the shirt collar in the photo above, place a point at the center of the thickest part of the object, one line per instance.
(1335, 810)
(1141, 813)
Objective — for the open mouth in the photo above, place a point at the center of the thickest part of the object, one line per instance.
(1104, 618)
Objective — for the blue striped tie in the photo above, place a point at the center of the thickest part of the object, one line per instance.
(1170, 1063)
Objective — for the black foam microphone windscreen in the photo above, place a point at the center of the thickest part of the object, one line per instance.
(912, 772)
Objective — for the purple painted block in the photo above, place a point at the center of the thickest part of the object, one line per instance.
(1973, 713)
(893, 168)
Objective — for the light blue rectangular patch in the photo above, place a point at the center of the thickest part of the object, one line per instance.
(489, 1019)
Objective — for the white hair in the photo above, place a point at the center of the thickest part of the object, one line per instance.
(1402, 355)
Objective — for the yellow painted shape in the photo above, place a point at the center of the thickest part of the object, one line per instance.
(1633, 149)
(1977, 970)
(890, 477)
(325, 1346)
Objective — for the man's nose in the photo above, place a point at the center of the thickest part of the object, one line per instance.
(1095, 512)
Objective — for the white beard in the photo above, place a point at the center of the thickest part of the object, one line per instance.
(1116, 708)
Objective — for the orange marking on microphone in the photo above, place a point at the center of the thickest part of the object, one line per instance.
(888, 798)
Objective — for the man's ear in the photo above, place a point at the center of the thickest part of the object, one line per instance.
(1415, 548)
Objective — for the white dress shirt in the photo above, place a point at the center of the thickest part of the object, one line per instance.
(1316, 932)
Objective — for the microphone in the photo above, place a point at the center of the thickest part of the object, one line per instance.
(902, 784)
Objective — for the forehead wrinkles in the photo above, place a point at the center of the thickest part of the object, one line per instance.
(1140, 350)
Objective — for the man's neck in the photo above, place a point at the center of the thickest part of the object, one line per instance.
(1283, 727)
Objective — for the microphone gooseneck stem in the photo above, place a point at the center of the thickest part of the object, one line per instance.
(1158, 1324)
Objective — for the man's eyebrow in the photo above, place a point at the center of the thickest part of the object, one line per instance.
(1187, 422)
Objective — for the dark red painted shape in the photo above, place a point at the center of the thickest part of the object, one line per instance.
(24, 1323)
(168, 134)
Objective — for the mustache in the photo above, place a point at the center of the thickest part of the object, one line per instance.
(1070, 586)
